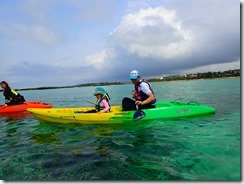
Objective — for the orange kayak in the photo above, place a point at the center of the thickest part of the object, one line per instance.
(23, 107)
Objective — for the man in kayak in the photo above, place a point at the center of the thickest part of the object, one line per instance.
(11, 96)
(143, 94)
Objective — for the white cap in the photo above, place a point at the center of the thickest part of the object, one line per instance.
(134, 74)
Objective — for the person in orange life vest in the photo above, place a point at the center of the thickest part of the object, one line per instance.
(143, 94)
(11, 96)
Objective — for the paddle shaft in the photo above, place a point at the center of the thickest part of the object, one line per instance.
(91, 102)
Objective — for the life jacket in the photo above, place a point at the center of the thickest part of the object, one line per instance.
(14, 92)
(140, 95)
(99, 106)
(12, 95)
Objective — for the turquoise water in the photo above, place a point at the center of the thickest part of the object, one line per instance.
(200, 148)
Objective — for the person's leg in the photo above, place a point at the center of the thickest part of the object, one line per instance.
(22, 99)
(90, 111)
(128, 104)
(12, 102)
(19, 99)
(146, 106)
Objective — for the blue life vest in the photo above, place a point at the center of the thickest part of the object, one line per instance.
(140, 95)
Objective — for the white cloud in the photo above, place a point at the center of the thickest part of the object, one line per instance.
(98, 60)
(36, 11)
(38, 34)
(70, 38)
(98, 11)
(155, 33)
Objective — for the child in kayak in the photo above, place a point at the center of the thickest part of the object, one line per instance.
(102, 103)
(11, 96)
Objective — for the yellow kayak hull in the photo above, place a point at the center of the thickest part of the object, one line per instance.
(116, 115)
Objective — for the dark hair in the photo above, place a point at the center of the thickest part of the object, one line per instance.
(4, 82)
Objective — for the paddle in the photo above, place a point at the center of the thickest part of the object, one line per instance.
(139, 114)
(91, 102)
(90, 111)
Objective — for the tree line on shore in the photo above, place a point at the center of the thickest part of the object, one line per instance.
(205, 75)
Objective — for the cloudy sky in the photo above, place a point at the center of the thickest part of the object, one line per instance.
(69, 42)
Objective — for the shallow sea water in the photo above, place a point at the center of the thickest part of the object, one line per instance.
(196, 149)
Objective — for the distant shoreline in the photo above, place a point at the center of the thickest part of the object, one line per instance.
(118, 83)
(183, 77)
(177, 80)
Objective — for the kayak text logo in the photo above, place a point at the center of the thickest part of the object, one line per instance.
(183, 111)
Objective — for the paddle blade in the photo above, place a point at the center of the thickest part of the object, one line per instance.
(139, 114)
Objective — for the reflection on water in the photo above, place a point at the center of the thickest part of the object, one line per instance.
(13, 117)
(44, 138)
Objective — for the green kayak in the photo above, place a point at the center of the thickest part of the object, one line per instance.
(163, 110)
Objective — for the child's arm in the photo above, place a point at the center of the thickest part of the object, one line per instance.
(105, 104)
